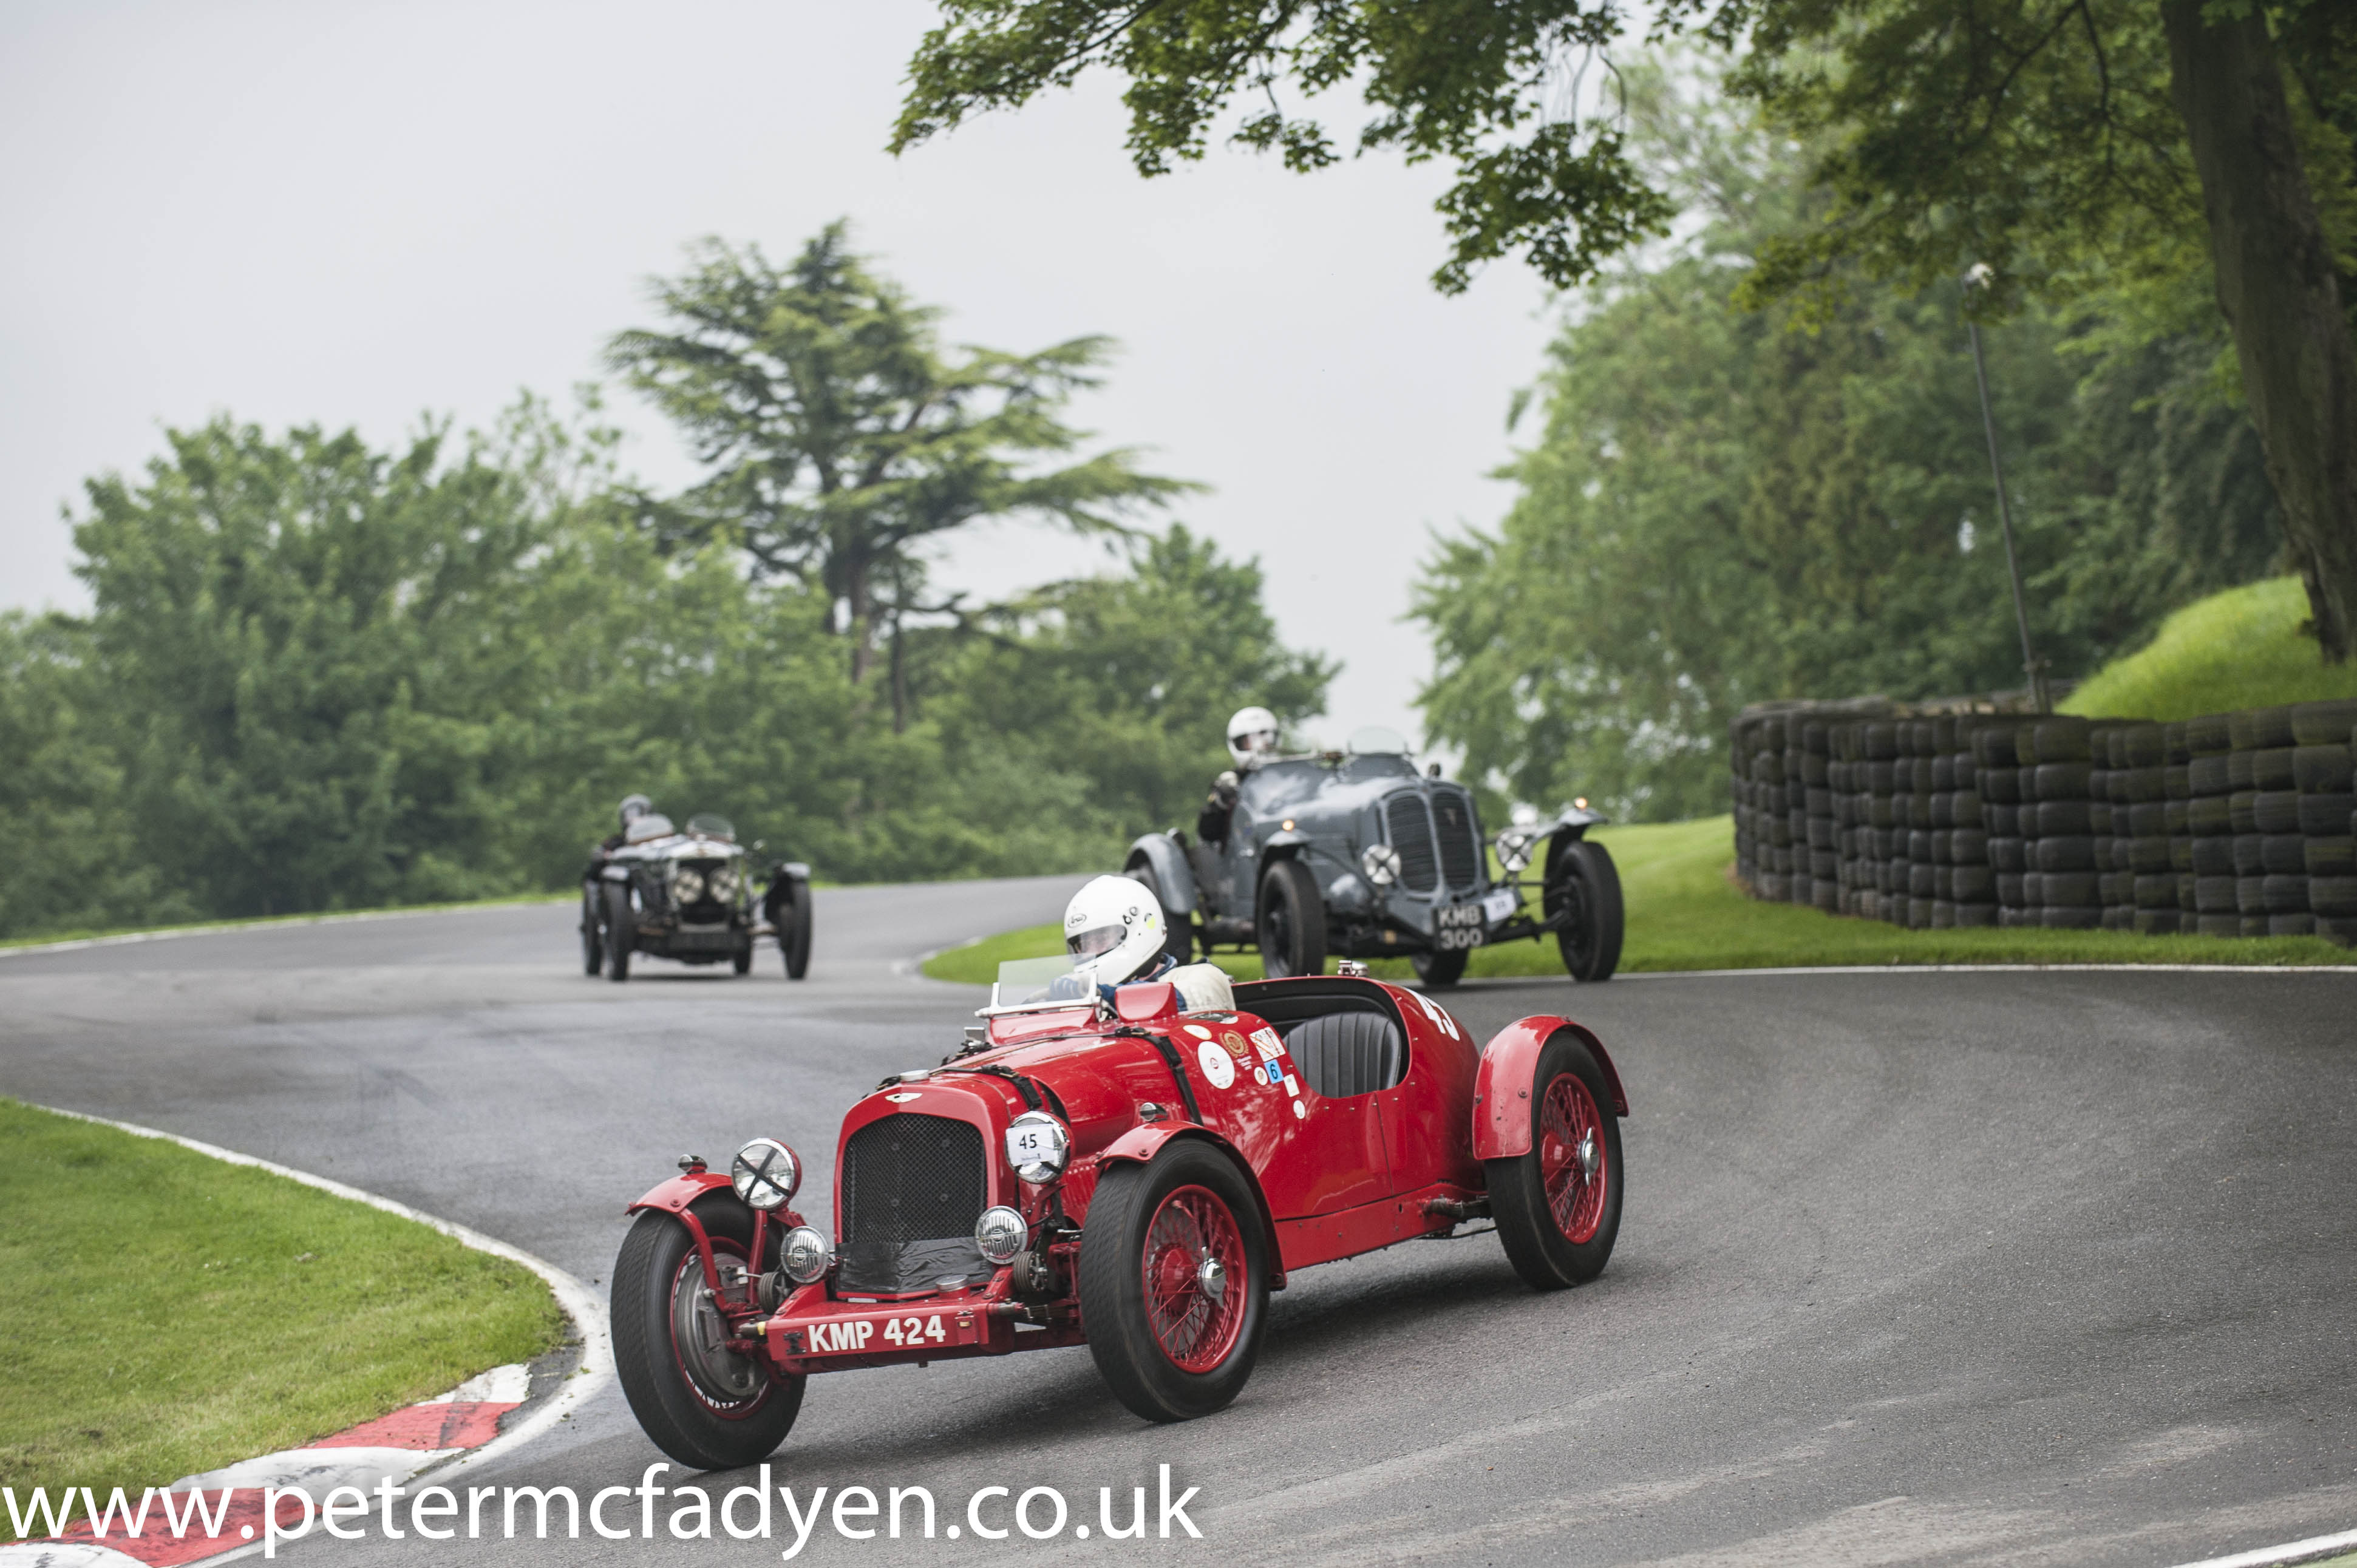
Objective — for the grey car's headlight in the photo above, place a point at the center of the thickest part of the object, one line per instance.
(1000, 1234)
(687, 884)
(764, 1173)
(1513, 850)
(1382, 864)
(805, 1255)
(1037, 1145)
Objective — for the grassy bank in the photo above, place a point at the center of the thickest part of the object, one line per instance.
(1684, 913)
(163, 1314)
(2241, 649)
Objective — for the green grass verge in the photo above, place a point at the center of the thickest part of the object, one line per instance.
(163, 1314)
(2241, 649)
(1683, 912)
(79, 934)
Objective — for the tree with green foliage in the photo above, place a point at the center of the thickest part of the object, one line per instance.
(2063, 142)
(1720, 510)
(841, 438)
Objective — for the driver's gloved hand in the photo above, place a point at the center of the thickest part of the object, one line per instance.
(1224, 790)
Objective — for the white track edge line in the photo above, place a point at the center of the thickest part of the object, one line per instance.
(2342, 969)
(586, 1312)
(230, 927)
(2314, 1549)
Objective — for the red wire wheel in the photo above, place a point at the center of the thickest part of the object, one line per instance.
(1194, 1272)
(1559, 1207)
(1173, 1279)
(1572, 1157)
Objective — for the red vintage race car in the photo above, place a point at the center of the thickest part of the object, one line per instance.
(1116, 1171)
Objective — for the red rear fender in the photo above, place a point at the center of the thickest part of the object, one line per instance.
(1502, 1085)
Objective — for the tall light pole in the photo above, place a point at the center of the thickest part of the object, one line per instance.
(1978, 278)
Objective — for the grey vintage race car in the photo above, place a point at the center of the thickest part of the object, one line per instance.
(689, 894)
(1357, 855)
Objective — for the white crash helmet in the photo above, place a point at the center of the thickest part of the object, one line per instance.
(1113, 928)
(1251, 735)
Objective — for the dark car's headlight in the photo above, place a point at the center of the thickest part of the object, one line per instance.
(764, 1173)
(1382, 864)
(723, 883)
(687, 884)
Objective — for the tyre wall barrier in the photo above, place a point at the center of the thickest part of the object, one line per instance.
(2239, 824)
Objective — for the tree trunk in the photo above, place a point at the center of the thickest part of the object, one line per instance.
(857, 596)
(899, 678)
(2281, 295)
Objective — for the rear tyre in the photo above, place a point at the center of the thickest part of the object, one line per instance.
(701, 1403)
(1174, 1272)
(621, 932)
(1292, 923)
(1439, 971)
(593, 946)
(741, 961)
(1559, 1207)
(794, 937)
(1582, 881)
(1178, 930)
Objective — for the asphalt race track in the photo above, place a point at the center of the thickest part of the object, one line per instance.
(1938, 1268)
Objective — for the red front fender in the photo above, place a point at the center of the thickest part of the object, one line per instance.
(1140, 1144)
(1501, 1086)
(672, 1196)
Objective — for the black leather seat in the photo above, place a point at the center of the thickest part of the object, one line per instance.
(1342, 1054)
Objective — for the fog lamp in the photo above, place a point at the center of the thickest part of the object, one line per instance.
(1037, 1145)
(1000, 1234)
(764, 1173)
(806, 1254)
(1382, 864)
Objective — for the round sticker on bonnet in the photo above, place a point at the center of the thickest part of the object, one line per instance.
(1217, 1065)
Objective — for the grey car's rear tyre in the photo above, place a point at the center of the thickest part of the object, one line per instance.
(1174, 1271)
(794, 940)
(701, 1403)
(593, 915)
(1584, 879)
(1559, 1207)
(1438, 971)
(1178, 930)
(1291, 921)
(622, 930)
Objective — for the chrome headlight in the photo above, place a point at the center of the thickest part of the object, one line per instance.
(687, 884)
(1000, 1234)
(805, 1255)
(1513, 850)
(1037, 1145)
(723, 883)
(764, 1173)
(1382, 864)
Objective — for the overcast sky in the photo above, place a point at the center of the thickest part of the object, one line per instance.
(360, 214)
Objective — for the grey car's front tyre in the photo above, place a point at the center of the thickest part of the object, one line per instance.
(1291, 921)
(622, 930)
(1584, 885)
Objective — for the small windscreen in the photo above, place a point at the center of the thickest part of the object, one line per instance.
(1377, 740)
(705, 824)
(1029, 982)
(649, 825)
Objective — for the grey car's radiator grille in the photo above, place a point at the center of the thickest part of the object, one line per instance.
(910, 1177)
(1461, 848)
(1411, 835)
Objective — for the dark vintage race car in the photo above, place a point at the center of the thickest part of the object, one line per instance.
(690, 896)
(1116, 1173)
(1357, 853)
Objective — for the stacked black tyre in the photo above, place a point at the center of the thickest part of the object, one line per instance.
(1971, 883)
(2270, 852)
(1878, 817)
(1997, 775)
(2324, 737)
(1816, 842)
(1773, 830)
(2067, 889)
(2142, 870)
(2208, 901)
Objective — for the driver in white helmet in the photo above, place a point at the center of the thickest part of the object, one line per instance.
(1115, 929)
(1252, 741)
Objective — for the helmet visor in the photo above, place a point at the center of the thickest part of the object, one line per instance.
(1095, 943)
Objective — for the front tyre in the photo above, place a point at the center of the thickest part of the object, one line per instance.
(794, 933)
(1559, 1207)
(1439, 971)
(622, 930)
(593, 914)
(1291, 921)
(1583, 885)
(702, 1403)
(1173, 1286)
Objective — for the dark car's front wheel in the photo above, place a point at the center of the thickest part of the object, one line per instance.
(1174, 1268)
(792, 918)
(593, 915)
(1559, 1207)
(1439, 971)
(622, 930)
(1291, 921)
(701, 1403)
(1584, 887)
